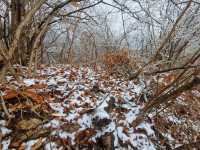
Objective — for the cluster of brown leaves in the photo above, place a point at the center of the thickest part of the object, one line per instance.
(118, 58)
(119, 63)
(28, 111)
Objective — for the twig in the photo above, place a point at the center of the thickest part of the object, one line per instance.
(163, 99)
(171, 69)
(4, 106)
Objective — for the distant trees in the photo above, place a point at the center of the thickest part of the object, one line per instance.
(80, 28)
(24, 25)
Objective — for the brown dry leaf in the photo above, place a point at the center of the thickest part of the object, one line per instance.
(10, 94)
(72, 76)
(19, 106)
(20, 137)
(38, 86)
(22, 147)
(84, 111)
(75, 4)
(31, 93)
(71, 127)
(83, 136)
(126, 130)
(108, 141)
(169, 79)
(15, 144)
(28, 124)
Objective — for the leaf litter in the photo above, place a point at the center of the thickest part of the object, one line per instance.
(67, 107)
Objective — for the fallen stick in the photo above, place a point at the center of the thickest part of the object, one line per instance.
(4, 107)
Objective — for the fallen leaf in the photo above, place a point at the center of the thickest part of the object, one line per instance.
(10, 94)
(38, 86)
(71, 127)
(31, 93)
(82, 137)
(28, 124)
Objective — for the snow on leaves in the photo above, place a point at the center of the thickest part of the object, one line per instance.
(74, 106)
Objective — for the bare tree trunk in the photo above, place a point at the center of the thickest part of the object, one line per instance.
(37, 44)
(17, 12)
(17, 15)
(21, 26)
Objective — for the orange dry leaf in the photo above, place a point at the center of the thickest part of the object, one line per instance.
(22, 147)
(10, 94)
(118, 58)
(31, 93)
(72, 76)
(15, 144)
(19, 106)
(83, 136)
(169, 79)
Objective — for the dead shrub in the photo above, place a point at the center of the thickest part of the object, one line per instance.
(118, 63)
(112, 59)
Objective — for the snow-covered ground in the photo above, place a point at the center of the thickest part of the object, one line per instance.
(83, 107)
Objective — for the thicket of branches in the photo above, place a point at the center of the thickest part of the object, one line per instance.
(156, 36)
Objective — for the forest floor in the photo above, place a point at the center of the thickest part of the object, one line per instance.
(67, 107)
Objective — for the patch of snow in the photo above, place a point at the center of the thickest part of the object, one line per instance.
(62, 88)
(100, 110)
(51, 82)
(116, 141)
(85, 121)
(168, 136)
(181, 100)
(29, 82)
(5, 144)
(132, 114)
(138, 89)
(66, 135)
(110, 127)
(101, 114)
(52, 146)
(196, 93)
(175, 120)
(71, 116)
(123, 137)
(9, 78)
(60, 79)
(29, 144)
(196, 126)
(5, 131)
(141, 142)
(147, 127)
(53, 124)
(57, 107)
(2, 122)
